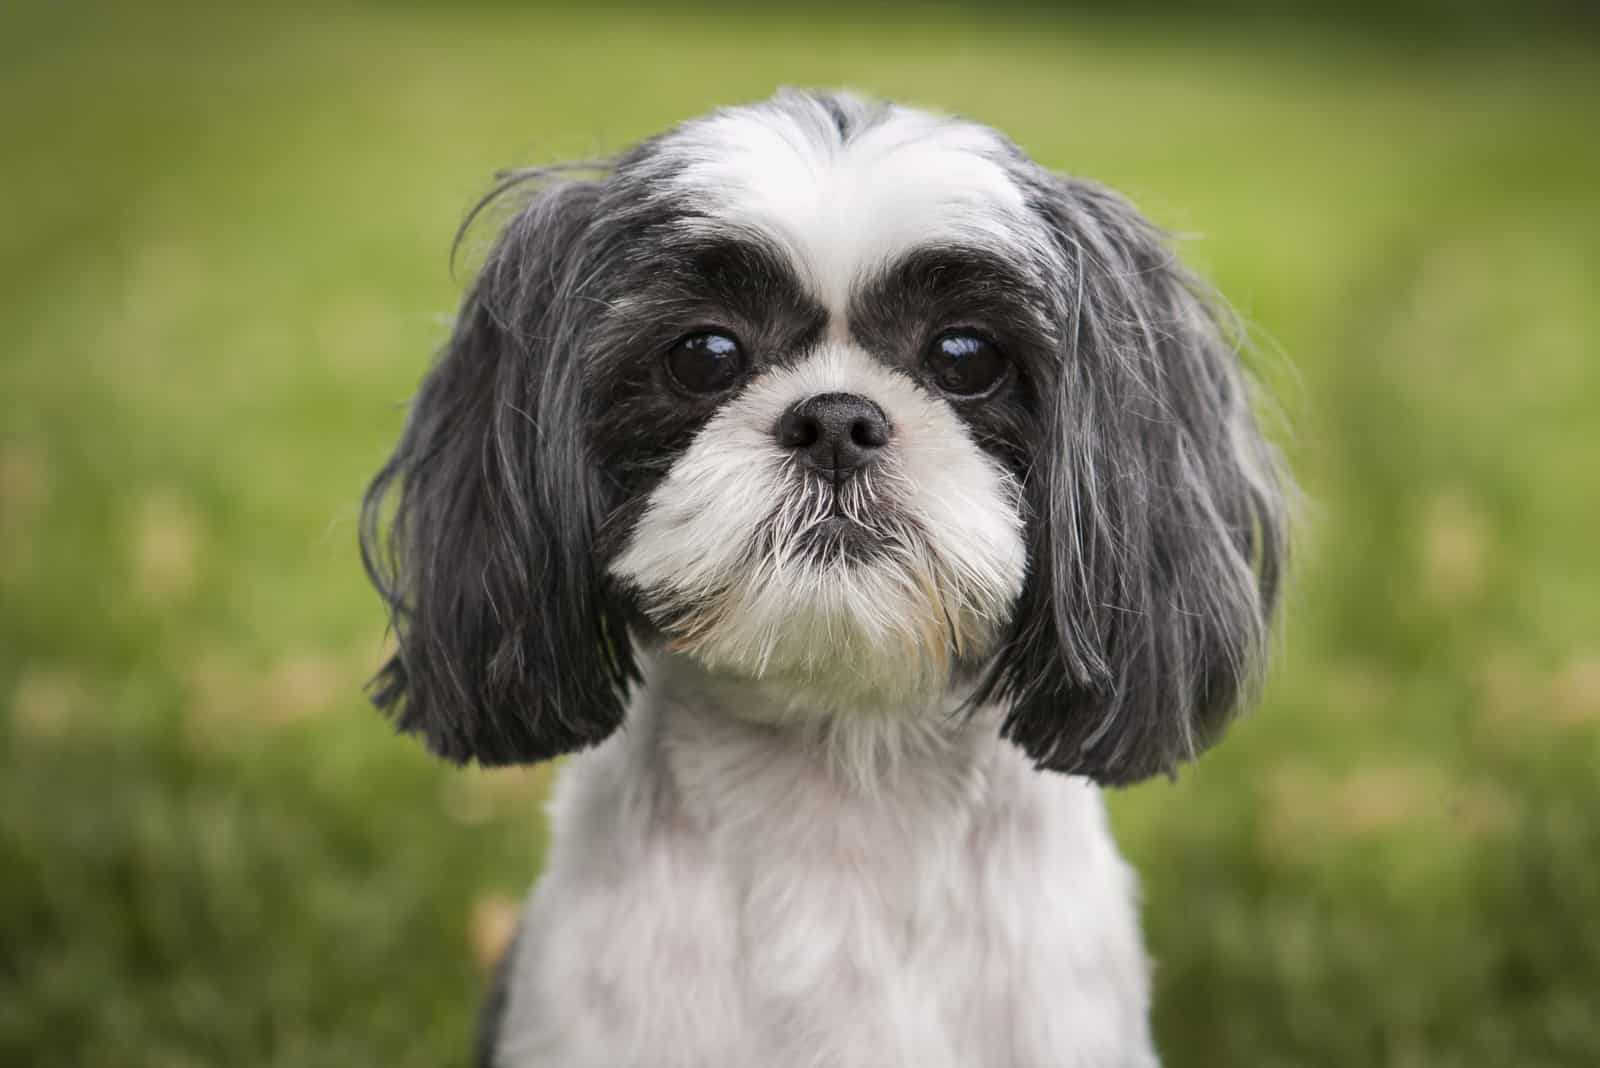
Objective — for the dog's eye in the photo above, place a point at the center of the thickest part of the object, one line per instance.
(964, 364)
(705, 363)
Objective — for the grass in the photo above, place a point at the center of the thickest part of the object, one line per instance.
(224, 265)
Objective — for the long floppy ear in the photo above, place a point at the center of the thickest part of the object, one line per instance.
(509, 649)
(1157, 525)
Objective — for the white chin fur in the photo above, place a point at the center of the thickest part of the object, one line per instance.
(721, 563)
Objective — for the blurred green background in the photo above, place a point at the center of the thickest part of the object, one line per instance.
(223, 266)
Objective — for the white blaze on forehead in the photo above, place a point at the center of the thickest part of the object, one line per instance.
(842, 207)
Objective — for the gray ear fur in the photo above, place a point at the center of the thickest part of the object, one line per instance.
(1158, 525)
(510, 650)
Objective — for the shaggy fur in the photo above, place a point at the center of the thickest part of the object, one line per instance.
(830, 832)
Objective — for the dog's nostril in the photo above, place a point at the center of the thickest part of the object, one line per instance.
(870, 433)
(798, 431)
(834, 432)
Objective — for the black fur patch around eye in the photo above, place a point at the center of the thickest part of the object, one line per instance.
(898, 314)
(672, 286)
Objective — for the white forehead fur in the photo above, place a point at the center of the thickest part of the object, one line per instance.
(843, 205)
(716, 549)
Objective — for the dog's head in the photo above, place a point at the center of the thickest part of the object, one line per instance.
(844, 396)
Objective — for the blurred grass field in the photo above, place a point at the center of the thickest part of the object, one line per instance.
(224, 265)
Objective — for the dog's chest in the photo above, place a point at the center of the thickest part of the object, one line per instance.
(720, 905)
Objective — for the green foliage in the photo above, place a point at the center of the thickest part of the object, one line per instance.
(224, 265)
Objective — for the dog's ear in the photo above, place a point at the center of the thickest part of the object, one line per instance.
(1156, 513)
(510, 650)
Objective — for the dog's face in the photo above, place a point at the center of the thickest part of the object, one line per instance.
(845, 397)
(819, 374)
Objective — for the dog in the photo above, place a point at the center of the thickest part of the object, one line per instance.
(855, 498)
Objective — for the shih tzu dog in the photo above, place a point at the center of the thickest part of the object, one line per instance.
(855, 497)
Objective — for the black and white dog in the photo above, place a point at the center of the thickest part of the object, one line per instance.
(857, 495)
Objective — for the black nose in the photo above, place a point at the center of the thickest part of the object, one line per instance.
(836, 433)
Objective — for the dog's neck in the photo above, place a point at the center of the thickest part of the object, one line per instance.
(733, 754)
(743, 878)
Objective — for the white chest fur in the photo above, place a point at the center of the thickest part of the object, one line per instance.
(724, 890)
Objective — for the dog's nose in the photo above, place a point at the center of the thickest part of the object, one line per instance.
(835, 433)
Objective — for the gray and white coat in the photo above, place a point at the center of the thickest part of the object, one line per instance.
(854, 497)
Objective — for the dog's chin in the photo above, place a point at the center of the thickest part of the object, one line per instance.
(831, 682)
(844, 618)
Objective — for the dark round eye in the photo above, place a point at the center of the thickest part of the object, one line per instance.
(965, 364)
(705, 363)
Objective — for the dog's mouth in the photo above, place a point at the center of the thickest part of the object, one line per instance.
(844, 523)
(837, 535)
(840, 536)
